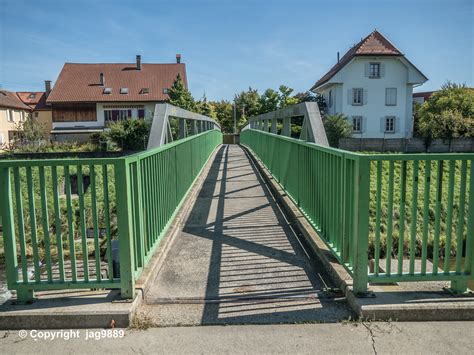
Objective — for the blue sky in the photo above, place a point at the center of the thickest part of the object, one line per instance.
(231, 45)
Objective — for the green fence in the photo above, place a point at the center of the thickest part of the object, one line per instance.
(386, 217)
(62, 218)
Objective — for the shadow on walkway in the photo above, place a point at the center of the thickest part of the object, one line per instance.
(237, 258)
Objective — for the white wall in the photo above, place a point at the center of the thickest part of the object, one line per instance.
(396, 74)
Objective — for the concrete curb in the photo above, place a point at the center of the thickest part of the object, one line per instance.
(402, 307)
(97, 309)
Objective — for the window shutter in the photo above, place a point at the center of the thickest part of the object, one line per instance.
(382, 124)
(364, 124)
(394, 91)
(349, 97)
(396, 124)
(382, 70)
(364, 97)
(1, 138)
(367, 69)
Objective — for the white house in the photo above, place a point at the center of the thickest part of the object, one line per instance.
(87, 97)
(372, 85)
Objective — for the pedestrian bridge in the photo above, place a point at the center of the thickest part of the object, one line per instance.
(96, 223)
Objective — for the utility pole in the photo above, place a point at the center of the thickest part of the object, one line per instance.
(235, 118)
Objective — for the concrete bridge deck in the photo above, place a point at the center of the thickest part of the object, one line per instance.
(237, 259)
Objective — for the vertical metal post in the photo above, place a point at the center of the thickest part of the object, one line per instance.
(235, 118)
(125, 232)
(274, 126)
(182, 128)
(361, 224)
(194, 129)
(286, 131)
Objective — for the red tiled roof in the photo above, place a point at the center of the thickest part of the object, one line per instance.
(11, 100)
(36, 103)
(374, 44)
(80, 82)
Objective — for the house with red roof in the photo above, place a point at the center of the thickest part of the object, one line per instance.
(372, 85)
(87, 97)
(13, 112)
(41, 110)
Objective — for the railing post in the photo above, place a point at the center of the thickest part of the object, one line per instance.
(125, 232)
(361, 224)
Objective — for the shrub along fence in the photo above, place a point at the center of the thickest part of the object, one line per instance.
(61, 216)
(397, 210)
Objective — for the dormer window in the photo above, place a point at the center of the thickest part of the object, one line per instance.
(107, 91)
(124, 90)
(145, 91)
(165, 91)
(32, 95)
(374, 70)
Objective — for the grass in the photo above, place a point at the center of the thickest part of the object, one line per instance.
(75, 207)
(436, 188)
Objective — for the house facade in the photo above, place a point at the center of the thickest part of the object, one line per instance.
(372, 85)
(41, 111)
(87, 97)
(12, 113)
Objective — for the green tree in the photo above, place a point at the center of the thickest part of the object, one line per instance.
(449, 113)
(336, 127)
(30, 131)
(285, 97)
(180, 96)
(269, 101)
(206, 108)
(130, 134)
(224, 115)
(248, 104)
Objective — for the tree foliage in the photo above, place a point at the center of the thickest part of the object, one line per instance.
(336, 127)
(130, 134)
(180, 96)
(449, 113)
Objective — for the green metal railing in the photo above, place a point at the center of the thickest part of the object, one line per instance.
(61, 216)
(386, 217)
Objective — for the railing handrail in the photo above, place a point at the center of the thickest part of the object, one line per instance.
(371, 155)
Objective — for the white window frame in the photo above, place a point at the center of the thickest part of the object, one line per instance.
(357, 124)
(388, 102)
(390, 122)
(10, 115)
(374, 74)
(357, 100)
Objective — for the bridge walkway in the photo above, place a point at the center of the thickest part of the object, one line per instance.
(237, 259)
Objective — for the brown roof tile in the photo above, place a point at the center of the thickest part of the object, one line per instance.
(374, 44)
(36, 103)
(80, 82)
(11, 100)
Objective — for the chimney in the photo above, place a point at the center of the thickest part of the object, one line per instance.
(178, 58)
(338, 57)
(47, 87)
(139, 62)
(101, 79)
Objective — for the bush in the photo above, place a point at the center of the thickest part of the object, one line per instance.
(336, 127)
(131, 134)
(449, 113)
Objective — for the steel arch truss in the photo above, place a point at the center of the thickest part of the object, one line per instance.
(161, 128)
(312, 129)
